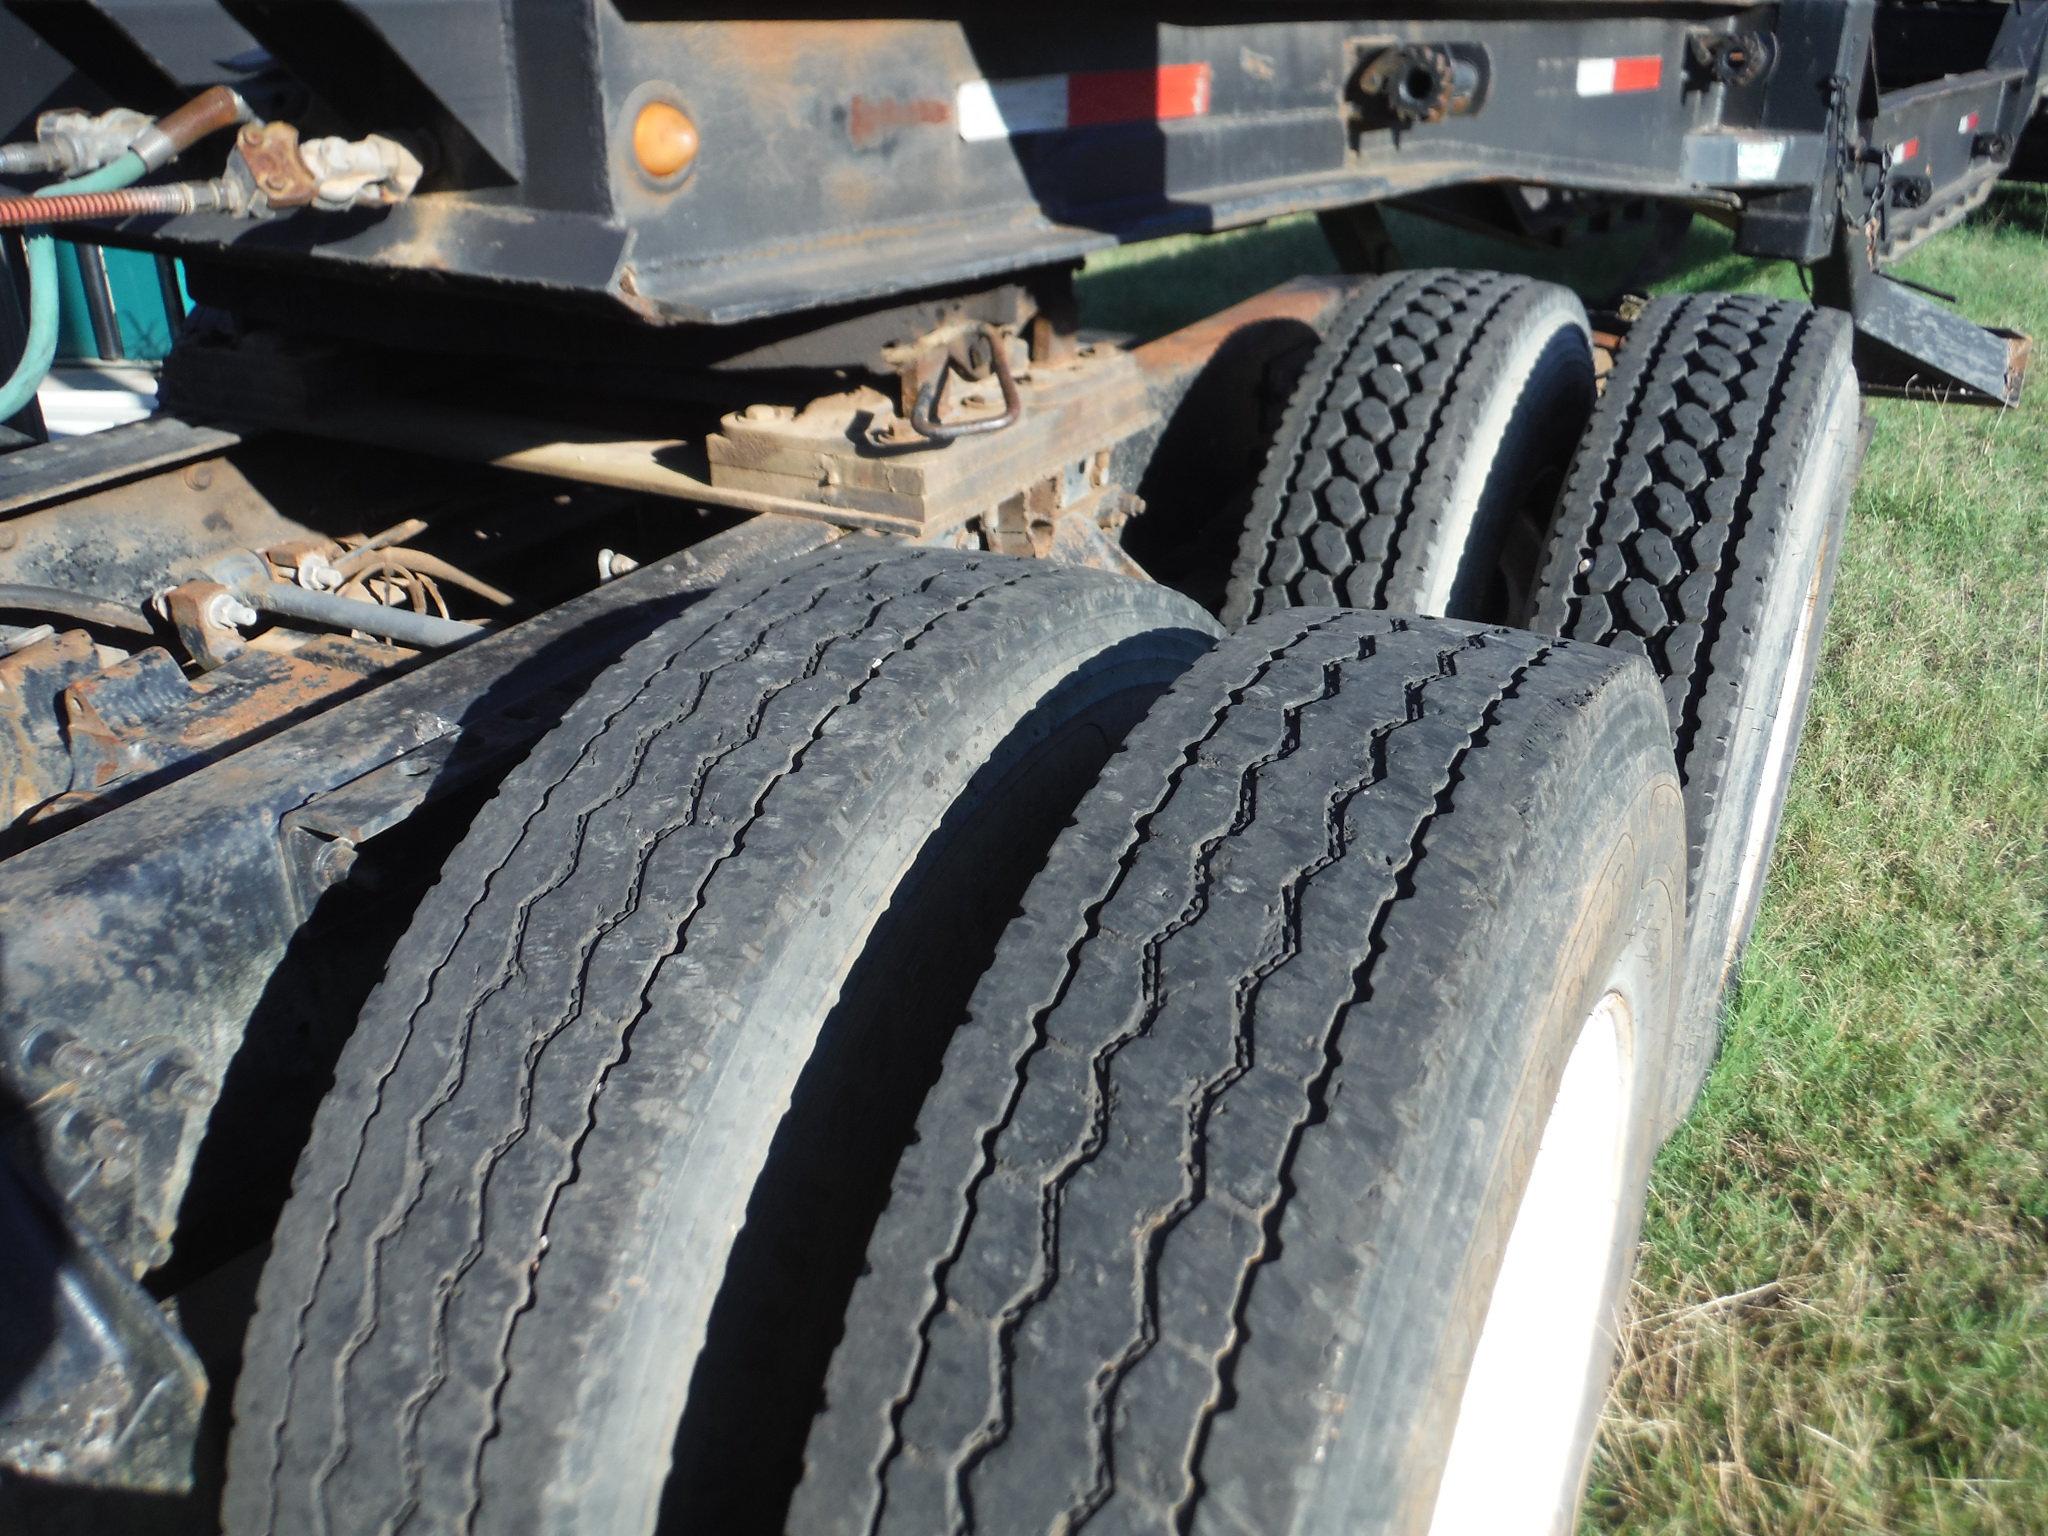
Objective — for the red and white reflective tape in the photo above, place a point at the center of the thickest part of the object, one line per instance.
(1910, 150)
(1620, 77)
(1969, 123)
(1002, 109)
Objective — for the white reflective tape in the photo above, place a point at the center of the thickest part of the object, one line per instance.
(1621, 77)
(996, 109)
(1760, 159)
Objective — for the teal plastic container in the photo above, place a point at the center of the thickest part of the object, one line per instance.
(138, 305)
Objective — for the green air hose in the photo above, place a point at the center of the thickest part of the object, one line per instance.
(41, 349)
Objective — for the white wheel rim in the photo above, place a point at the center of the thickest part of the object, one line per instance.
(1513, 1462)
(1763, 818)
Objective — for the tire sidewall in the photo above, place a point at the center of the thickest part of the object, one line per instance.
(1773, 691)
(1620, 894)
(1627, 939)
(1531, 399)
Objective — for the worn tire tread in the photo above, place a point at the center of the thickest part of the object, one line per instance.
(1260, 771)
(1352, 501)
(393, 1177)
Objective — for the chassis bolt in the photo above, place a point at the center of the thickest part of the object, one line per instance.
(174, 1077)
(77, 1062)
(112, 1142)
(109, 1141)
(333, 862)
(224, 610)
(55, 1052)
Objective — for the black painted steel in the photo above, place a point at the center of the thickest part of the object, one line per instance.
(841, 161)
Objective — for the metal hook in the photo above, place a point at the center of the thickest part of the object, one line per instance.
(924, 417)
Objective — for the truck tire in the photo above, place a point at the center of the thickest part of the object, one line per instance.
(1700, 526)
(600, 1144)
(1205, 1218)
(1419, 462)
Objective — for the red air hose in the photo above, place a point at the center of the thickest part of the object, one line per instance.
(176, 197)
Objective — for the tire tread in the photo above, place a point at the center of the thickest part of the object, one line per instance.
(1071, 1092)
(448, 1152)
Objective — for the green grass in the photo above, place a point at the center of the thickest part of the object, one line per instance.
(1870, 1161)
(1841, 1314)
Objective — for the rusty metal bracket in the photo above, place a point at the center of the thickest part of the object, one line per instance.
(208, 619)
(277, 171)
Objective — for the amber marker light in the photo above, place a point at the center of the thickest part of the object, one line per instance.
(664, 140)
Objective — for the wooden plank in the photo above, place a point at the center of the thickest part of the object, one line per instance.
(568, 452)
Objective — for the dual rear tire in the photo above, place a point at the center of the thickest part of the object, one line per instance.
(1701, 527)
(668, 1070)
(1418, 462)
